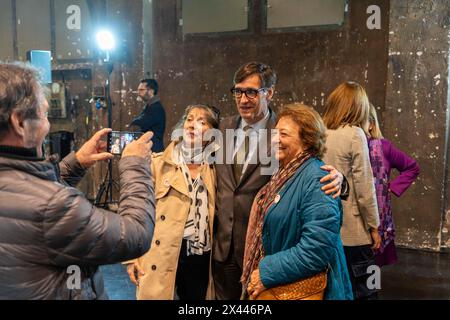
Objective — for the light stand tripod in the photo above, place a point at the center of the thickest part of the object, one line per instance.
(106, 187)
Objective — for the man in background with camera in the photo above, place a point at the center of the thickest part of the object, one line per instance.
(47, 227)
(153, 117)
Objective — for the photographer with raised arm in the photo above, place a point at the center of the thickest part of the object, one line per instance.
(47, 226)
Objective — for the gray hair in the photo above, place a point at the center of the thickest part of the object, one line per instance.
(21, 91)
(212, 116)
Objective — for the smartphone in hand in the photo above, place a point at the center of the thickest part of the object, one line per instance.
(118, 140)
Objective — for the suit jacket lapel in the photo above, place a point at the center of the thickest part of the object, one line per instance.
(233, 124)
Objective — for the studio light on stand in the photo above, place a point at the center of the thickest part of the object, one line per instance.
(106, 43)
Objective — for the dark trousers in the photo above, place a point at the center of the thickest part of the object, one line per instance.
(359, 258)
(226, 278)
(192, 275)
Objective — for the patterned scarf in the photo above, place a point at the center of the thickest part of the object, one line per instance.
(254, 251)
(196, 229)
(380, 175)
(192, 155)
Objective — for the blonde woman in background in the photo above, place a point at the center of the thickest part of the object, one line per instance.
(347, 112)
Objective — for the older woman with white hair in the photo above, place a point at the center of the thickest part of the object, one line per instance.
(293, 249)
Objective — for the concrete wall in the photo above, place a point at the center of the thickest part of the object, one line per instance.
(416, 116)
(310, 62)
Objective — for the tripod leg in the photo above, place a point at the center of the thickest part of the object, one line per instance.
(98, 198)
(101, 191)
(107, 195)
(106, 189)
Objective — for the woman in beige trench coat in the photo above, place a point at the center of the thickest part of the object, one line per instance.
(178, 263)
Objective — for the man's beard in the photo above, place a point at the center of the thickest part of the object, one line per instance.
(142, 99)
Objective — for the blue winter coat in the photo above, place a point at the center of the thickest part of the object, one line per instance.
(301, 235)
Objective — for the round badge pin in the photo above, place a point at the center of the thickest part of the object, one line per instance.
(277, 198)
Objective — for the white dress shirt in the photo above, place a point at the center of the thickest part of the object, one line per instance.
(254, 137)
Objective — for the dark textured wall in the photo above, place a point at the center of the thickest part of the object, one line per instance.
(415, 116)
(310, 62)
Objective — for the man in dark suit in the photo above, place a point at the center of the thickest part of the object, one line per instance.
(237, 183)
(153, 117)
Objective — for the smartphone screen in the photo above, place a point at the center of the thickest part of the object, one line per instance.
(118, 140)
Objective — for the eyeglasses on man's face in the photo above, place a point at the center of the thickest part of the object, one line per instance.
(249, 92)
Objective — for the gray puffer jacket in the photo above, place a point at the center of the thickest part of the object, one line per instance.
(47, 226)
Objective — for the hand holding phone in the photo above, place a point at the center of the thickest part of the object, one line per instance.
(141, 147)
(94, 149)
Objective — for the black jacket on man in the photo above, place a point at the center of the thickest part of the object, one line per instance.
(153, 118)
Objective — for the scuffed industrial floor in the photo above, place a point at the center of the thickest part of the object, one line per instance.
(417, 275)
